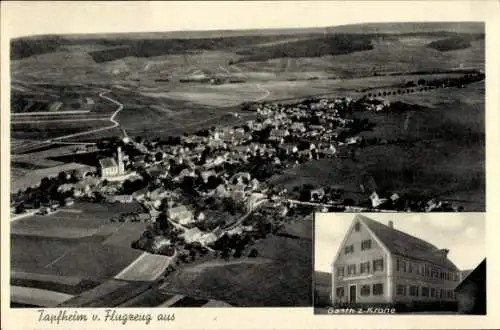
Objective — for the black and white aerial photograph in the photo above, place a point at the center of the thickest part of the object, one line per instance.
(182, 168)
(388, 263)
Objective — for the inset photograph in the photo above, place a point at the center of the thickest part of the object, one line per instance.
(395, 263)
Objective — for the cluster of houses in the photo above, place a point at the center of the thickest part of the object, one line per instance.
(219, 162)
(224, 162)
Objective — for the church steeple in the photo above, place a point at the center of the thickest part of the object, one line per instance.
(121, 167)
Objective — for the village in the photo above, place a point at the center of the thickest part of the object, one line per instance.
(209, 191)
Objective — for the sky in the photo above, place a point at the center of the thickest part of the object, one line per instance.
(462, 233)
(53, 17)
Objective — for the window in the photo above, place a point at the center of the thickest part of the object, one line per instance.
(401, 290)
(433, 292)
(366, 245)
(414, 291)
(434, 272)
(450, 294)
(349, 249)
(422, 270)
(351, 270)
(340, 271)
(378, 265)
(378, 289)
(401, 265)
(410, 267)
(357, 226)
(339, 292)
(425, 291)
(364, 267)
(427, 271)
(365, 290)
(441, 293)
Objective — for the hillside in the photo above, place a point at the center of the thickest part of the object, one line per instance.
(161, 43)
(410, 28)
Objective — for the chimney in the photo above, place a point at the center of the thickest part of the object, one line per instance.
(443, 252)
(391, 224)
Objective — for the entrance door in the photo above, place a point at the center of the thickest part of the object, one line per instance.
(352, 294)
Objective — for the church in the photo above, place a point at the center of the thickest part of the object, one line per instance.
(110, 167)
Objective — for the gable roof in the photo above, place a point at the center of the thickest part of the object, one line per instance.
(403, 244)
(107, 162)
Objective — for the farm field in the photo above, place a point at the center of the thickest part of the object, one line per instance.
(63, 284)
(109, 294)
(148, 267)
(68, 252)
(49, 129)
(33, 178)
(234, 94)
(37, 297)
(282, 278)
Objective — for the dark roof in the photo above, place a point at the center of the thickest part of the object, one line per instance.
(403, 244)
(477, 277)
(107, 162)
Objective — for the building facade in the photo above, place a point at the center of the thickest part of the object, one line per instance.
(377, 264)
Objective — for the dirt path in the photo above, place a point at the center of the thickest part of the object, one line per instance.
(111, 119)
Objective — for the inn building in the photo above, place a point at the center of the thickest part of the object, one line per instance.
(378, 264)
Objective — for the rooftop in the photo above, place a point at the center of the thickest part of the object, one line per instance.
(406, 245)
(107, 162)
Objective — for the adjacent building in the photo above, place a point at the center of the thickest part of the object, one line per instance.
(180, 214)
(378, 264)
(471, 292)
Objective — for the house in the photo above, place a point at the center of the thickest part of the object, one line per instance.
(140, 194)
(180, 214)
(376, 200)
(330, 150)
(317, 194)
(278, 134)
(298, 127)
(121, 199)
(471, 292)
(159, 243)
(206, 174)
(192, 235)
(208, 238)
(241, 178)
(378, 264)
